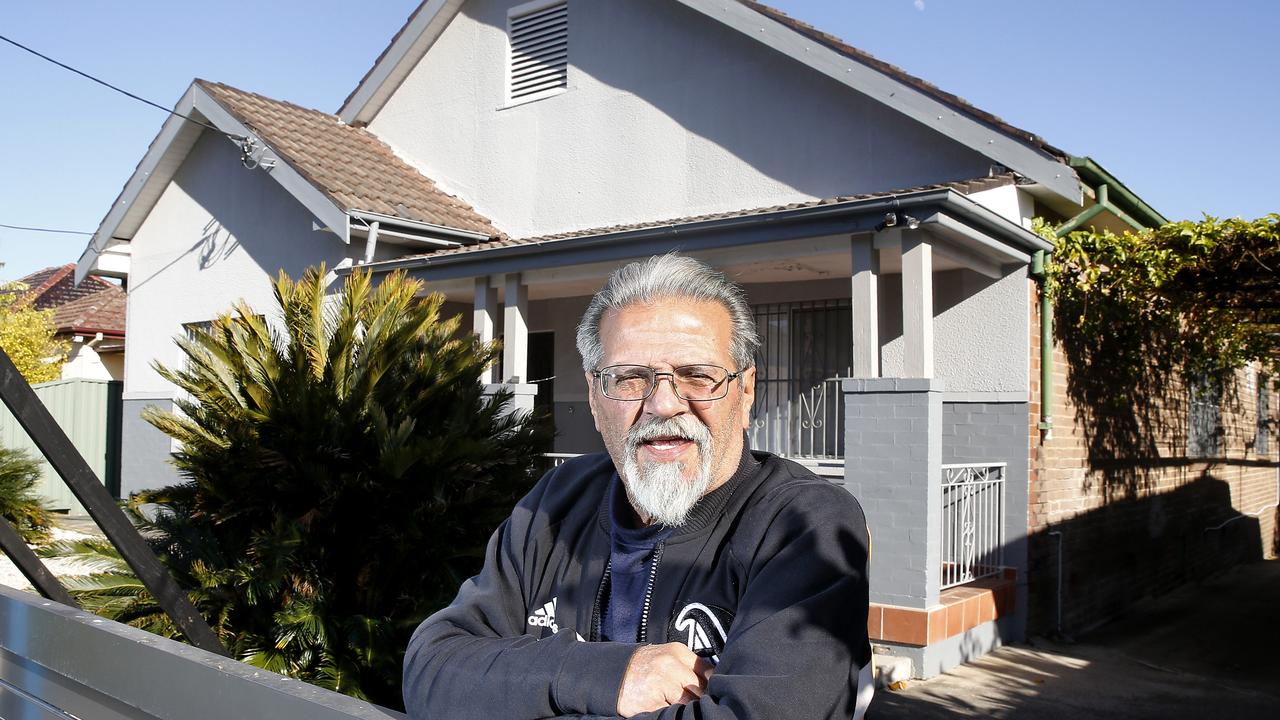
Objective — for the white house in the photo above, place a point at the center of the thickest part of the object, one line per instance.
(511, 154)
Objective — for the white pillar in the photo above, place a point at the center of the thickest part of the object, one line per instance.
(515, 330)
(484, 318)
(866, 308)
(917, 305)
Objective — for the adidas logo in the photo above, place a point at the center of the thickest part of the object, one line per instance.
(545, 616)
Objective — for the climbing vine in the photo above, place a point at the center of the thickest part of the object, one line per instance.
(1208, 288)
(1148, 320)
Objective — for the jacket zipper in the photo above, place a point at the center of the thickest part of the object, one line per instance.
(604, 588)
(648, 593)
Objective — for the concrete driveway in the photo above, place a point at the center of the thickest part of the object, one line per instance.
(1210, 650)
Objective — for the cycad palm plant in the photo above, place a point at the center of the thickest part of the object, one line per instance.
(19, 502)
(344, 472)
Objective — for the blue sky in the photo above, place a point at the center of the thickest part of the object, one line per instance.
(1175, 98)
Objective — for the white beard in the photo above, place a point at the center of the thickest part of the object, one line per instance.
(661, 491)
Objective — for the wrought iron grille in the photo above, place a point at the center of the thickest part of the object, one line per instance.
(806, 348)
(972, 522)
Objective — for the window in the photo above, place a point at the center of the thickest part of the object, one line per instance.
(539, 58)
(804, 348)
(1204, 417)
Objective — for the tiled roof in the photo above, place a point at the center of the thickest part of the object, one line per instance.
(351, 166)
(965, 187)
(853, 53)
(102, 311)
(55, 286)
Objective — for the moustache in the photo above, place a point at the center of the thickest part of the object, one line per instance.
(685, 427)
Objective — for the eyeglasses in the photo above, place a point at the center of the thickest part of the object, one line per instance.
(690, 382)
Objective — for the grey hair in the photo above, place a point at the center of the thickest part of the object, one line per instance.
(665, 277)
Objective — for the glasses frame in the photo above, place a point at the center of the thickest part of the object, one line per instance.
(730, 376)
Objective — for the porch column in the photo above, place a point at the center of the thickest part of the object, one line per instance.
(484, 318)
(917, 305)
(866, 310)
(515, 330)
(893, 465)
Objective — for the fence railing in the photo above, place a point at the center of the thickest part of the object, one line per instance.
(799, 420)
(88, 411)
(972, 522)
(57, 662)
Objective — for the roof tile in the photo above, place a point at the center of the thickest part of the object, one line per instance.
(350, 165)
(103, 311)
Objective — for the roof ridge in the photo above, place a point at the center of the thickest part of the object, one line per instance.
(268, 98)
(59, 272)
(843, 47)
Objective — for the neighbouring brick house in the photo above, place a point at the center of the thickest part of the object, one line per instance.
(89, 316)
(1129, 515)
(511, 155)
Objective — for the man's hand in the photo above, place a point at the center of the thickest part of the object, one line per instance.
(662, 675)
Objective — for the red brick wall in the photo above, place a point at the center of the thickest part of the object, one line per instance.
(1135, 526)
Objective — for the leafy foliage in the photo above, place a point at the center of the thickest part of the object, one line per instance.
(345, 472)
(1141, 314)
(19, 504)
(1209, 286)
(26, 335)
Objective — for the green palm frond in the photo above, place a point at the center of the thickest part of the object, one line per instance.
(343, 470)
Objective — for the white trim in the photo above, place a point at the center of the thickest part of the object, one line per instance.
(1008, 150)
(174, 133)
(149, 395)
(1003, 398)
(329, 214)
(167, 153)
(417, 36)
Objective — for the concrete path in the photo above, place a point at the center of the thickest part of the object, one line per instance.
(1206, 651)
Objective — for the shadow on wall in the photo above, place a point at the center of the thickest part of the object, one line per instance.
(1122, 384)
(1132, 548)
(767, 110)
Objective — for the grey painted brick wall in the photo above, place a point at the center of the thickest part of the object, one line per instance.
(893, 450)
(996, 432)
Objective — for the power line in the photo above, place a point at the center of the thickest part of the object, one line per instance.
(119, 90)
(45, 230)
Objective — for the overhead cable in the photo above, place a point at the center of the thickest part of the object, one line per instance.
(104, 83)
(45, 230)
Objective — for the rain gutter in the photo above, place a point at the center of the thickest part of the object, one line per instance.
(1126, 206)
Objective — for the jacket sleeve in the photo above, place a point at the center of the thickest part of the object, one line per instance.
(473, 660)
(798, 646)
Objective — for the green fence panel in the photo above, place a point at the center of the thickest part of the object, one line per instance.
(88, 411)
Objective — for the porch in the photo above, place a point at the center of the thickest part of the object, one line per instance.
(896, 345)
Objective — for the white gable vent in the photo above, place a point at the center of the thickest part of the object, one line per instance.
(539, 33)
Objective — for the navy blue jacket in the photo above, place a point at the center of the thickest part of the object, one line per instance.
(768, 579)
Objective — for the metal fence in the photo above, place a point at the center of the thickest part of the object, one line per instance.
(88, 411)
(799, 421)
(57, 662)
(972, 522)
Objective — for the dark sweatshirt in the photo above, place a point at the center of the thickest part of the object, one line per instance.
(768, 579)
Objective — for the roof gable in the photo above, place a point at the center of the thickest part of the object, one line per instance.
(331, 168)
(351, 166)
(919, 100)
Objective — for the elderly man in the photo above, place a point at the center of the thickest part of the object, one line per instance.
(679, 576)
